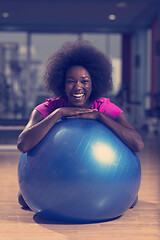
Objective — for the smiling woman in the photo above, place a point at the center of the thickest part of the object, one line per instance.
(79, 75)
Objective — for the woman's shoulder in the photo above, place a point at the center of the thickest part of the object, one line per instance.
(103, 100)
(100, 101)
(50, 105)
(55, 102)
(105, 106)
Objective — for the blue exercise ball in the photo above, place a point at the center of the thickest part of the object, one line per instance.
(79, 172)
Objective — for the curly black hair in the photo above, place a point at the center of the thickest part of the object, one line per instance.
(79, 53)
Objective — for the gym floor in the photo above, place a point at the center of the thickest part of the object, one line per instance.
(140, 223)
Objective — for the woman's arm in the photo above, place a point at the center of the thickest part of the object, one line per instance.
(120, 126)
(124, 130)
(35, 130)
(38, 126)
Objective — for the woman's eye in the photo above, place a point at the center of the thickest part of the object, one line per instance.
(85, 81)
(70, 81)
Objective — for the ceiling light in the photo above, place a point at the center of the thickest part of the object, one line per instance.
(121, 4)
(112, 17)
(5, 14)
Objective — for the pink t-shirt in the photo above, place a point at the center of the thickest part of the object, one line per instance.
(102, 104)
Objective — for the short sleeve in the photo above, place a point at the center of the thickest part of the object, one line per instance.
(110, 109)
(50, 105)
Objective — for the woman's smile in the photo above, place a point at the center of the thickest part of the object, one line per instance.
(78, 95)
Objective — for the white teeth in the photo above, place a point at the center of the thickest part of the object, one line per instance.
(78, 95)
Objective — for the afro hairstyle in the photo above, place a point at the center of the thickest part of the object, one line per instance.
(79, 53)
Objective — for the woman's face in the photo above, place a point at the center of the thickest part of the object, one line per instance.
(78, 87)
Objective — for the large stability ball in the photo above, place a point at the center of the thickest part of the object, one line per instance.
(79, 172)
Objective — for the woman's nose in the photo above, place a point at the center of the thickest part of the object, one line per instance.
(78, 85)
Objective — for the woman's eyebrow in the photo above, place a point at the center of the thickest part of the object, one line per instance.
(81, 76)
(85, 76)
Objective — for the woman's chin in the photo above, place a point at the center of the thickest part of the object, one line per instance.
(78, 102)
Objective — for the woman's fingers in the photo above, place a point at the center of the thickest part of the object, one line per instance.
(69, 112)
(84, 111)
(87, 115)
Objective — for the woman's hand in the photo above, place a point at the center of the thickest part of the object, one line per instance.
(69, 112)
(94, 115)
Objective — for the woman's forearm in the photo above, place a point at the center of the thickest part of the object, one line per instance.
(124, 131)
(33, 134)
